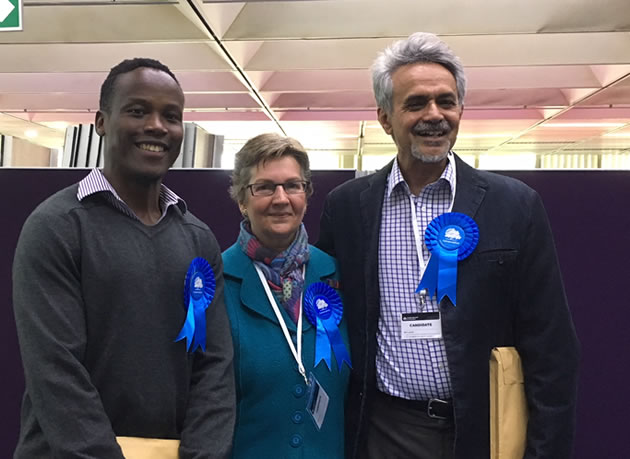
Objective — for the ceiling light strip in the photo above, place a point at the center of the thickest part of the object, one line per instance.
(237, 67)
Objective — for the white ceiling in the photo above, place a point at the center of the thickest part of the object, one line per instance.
(544, 76)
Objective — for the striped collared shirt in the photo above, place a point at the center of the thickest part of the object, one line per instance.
(412, 369)
(95, 182)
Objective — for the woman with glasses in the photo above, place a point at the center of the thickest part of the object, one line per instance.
(290, 343)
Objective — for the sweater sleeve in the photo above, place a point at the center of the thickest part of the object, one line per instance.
(211, 412)
(50, 320)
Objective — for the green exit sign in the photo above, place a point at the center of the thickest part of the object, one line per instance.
(10, 15)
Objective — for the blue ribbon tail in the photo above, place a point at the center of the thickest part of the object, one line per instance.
(322, 345)
(336, 341)
(199, 339)
(447, 276)
(188, 329)
(429, 279)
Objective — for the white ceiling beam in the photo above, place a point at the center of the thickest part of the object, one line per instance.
(475, 51)
(515, 98)
(100, 57)
(606, 74)
(197, 8)
(345, 100)
(90, 82)
(243, 51)
(539, 77)
(112, 23)
(87, 102)
(221, 16)
(399, 18)
(574, 95)
(318, 81)
(543, 49)
(327, 115)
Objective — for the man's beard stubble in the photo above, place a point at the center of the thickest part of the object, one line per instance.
(424, 128)
(428, 159)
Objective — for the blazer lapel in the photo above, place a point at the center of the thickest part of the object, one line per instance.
(470, 192)
(253, 294)
(253, 297)
(471, 189)
(371, 204)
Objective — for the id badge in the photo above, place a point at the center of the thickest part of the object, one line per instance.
(317, 401)
(421, 325)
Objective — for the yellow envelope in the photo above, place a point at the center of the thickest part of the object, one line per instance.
(148, 448)
(508, 407)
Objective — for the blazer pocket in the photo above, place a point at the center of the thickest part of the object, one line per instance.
(501, 257)
(488, 279)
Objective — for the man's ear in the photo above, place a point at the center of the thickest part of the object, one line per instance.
(99, 123)
(383, 118)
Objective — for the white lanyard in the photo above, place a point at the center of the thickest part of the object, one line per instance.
(297, 353)
(414, 221)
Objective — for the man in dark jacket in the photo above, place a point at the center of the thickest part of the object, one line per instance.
(420, 382)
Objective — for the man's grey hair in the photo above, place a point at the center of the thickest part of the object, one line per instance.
(419, 47)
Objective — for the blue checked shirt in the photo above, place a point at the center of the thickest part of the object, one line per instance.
(95, 182)
(412, 369)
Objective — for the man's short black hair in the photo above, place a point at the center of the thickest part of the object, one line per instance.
(128, 65)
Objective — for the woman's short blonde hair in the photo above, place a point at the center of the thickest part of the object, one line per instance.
(259, 150)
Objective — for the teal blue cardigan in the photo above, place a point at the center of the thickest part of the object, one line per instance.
(272, 421)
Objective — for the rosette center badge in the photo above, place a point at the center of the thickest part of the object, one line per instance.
(323, 309)
(197, 291)
(451, 237)
(199, 287)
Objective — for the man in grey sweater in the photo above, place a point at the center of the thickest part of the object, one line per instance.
(98, 294)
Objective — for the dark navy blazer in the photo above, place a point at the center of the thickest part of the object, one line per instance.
(509, 293)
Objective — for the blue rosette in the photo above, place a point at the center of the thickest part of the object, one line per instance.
(450, 238)
(199, 288)
(323, 309)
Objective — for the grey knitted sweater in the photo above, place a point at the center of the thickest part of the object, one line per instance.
(98, 301)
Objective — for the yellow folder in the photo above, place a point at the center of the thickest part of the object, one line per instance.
(148, 448)
(508, 406)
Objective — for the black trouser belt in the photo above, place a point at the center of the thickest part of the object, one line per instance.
(434, 408)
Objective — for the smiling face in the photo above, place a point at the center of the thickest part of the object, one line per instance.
(425, 112)
(275, 219)
(143, 130)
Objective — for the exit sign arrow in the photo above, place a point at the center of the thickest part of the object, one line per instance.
(10, 15)
(5, 9)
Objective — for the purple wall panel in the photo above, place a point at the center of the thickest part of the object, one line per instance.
(589, 220)
(589, 215)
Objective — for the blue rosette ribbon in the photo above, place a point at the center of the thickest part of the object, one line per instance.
(323, 309)
(450, 237)
(199, 289)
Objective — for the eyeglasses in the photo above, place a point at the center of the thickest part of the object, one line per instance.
(268, 189)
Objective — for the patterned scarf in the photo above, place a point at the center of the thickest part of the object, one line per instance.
(283, 271)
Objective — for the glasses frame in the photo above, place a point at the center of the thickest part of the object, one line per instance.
(276, 185)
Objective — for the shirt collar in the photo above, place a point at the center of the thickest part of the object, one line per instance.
(95, 182)
(396, 178)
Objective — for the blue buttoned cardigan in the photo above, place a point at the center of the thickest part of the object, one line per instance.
(272, 421)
